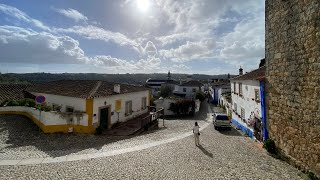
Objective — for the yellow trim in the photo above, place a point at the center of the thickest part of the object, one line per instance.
(89, 111)
(52, 128)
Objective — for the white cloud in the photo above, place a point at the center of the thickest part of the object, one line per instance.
(72, 14)
(190, 51)
(97, 33)
(150, 49)
(244, 45)
(21, 45)
(14, 12)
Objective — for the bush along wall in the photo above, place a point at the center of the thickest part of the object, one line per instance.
(183, 107)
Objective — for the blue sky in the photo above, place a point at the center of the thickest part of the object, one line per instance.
(131, 36)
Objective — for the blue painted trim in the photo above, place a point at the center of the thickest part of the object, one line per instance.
(263, 111)
(243, 128)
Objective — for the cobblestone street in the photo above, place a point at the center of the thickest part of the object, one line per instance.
(222, 155)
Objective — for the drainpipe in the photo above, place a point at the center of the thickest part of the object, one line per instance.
(263, 111)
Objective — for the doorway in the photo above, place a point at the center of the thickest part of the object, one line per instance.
(104, 117)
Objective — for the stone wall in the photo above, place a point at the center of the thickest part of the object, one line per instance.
(293, 79)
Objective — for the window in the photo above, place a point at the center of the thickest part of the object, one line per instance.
(243, 113)
(194, 90)
(69, 109)
(257, 95)
(128, 108)
(240, 89)
(144, 103)
(234, 87)
(184, 89)
(235, 107)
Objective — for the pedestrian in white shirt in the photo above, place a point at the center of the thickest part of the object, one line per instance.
(196, 133)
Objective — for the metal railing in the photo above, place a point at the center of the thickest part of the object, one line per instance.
(153, 116)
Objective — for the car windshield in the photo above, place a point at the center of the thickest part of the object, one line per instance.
(222, 117)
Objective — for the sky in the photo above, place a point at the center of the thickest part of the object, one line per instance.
(131, 36)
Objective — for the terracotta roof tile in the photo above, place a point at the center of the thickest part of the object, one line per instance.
(82, 88)
(12, 91)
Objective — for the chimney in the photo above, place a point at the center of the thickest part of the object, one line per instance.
(240, 71)
(117, 88)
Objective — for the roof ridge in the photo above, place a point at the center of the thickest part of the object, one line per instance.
(94, 90)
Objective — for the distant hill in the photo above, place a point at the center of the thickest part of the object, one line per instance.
(119, 78)
(11, 79)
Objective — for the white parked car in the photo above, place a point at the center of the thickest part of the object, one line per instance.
(221, 120)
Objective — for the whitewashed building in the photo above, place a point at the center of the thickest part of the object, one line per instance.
(187, 89)
(102, 103)
(247, 91)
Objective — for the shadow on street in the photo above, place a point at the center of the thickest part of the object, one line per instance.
(227, 132)
(205, 151)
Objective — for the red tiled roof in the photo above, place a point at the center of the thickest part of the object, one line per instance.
(12, 91)
(82, 88)
(256, 74)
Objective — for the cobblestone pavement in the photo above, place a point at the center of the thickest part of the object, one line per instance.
(20, 138)
(222, 155)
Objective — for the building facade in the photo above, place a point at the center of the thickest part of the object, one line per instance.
(101, 103)
(247, 92)
(187, 89)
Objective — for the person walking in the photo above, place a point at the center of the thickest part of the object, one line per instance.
(196, 133)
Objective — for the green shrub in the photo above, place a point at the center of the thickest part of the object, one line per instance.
(13, 103)
(270, 146)
(45, 107)
(201, 96)
(3, 103)
(30, 102)
(181, 107)
(312, 176)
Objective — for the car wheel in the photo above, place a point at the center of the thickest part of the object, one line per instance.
(215, 127)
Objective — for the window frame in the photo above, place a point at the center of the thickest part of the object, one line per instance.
(243, 113)
(240, 89)
(143, 103)
(184, 89)
(128, 108)
(257, 95)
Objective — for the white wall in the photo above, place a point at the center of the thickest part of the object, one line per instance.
(50, 118)
(165, 104)
(246, 102)
(136, 98)
(79, 104)
(189, 90)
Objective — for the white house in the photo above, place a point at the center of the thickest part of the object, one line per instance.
(187, 89)
(103, 103)
(155, 84)
(246, 101)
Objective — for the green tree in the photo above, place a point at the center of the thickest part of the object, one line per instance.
(165, 91)
(200, 95)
